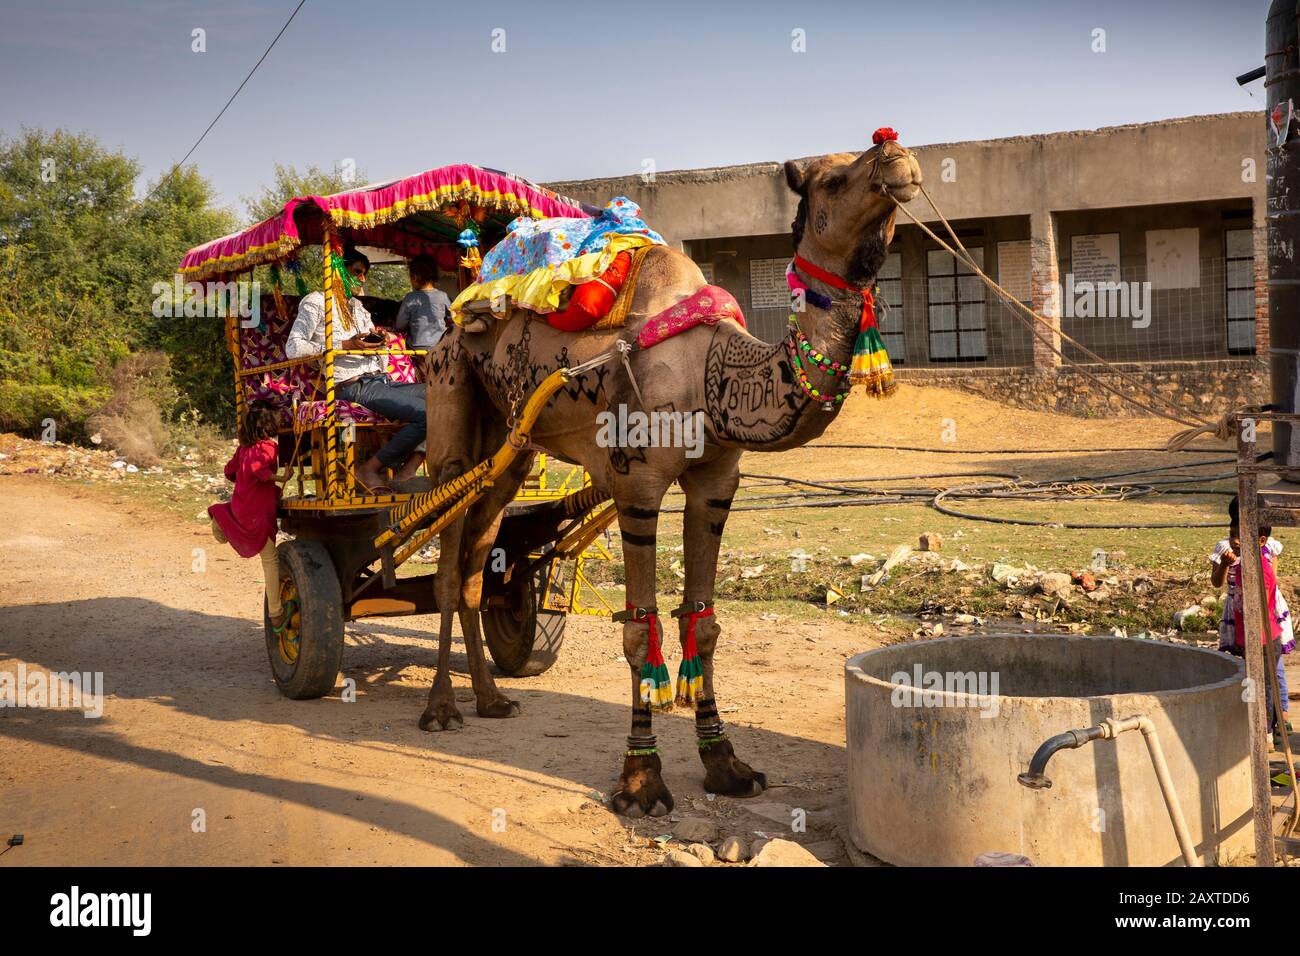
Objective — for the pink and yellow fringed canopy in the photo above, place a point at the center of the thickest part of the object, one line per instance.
(421, 213)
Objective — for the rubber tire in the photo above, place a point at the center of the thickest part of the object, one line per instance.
(320, 629)
(524, 641)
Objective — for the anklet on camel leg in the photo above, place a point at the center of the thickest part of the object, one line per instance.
(642, 746)
(708, 726)
(708, 735)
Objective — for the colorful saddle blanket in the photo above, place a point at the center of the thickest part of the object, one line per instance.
(546, 243)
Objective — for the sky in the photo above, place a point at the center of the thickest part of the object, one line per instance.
(602, 89)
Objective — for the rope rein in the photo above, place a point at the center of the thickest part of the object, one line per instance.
(1195, 425)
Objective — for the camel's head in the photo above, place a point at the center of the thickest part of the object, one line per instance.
(847, 206)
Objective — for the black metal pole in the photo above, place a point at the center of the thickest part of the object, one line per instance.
(1282, 83)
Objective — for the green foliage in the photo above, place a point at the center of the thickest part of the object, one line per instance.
(84, 253)
(288, 182)
(80, 254)
(24, 407)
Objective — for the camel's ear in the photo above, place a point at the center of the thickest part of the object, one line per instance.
(794, 176)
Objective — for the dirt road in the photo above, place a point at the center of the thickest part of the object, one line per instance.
(195, 732)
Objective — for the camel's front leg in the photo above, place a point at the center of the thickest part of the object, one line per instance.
(709, 491)
(641, 789)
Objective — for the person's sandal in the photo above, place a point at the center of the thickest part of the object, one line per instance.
(286, 615)
(379, 489)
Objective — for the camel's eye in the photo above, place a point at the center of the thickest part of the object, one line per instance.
(835, 183)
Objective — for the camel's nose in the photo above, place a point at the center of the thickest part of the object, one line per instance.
(890, 150)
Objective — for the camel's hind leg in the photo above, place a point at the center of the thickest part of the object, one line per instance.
(481, 534)
(441, 711)
(454, 442)
(466, 545)
(709, 489)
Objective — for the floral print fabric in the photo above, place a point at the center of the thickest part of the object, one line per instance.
(545, 243)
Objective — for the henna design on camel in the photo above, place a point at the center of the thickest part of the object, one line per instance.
(751, 402)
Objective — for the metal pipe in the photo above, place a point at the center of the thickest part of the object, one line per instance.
(1109, 729)
(1144, 724)
(1035, 778)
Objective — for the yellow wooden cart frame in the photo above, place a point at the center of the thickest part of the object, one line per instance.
(347, 547)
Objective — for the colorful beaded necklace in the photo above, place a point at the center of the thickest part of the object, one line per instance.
(798, 343)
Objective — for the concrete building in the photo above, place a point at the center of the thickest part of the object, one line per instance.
(1145, 243)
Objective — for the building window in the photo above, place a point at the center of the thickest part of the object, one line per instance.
(889, 285)
(1239, 282)
(958, 332)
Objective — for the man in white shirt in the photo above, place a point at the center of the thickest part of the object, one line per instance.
(361, 379)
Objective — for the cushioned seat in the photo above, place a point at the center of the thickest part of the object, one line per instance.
(309, 414)
(284, 388)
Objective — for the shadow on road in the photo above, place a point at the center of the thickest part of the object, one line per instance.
(214, 667)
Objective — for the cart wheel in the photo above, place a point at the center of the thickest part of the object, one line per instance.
(525, 640)
(306, 655)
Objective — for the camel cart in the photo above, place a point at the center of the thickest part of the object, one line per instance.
(347, 546)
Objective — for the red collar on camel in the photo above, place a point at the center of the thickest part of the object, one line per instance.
(831, 279)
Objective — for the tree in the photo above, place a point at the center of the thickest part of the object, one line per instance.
(79, 255)
(179, 213)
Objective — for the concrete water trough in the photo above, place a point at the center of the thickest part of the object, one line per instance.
(939, 731)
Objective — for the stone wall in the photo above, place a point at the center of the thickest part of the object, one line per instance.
(1207, 389)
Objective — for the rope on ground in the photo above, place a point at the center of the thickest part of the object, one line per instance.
(843, 492)
(940, 505)
(1010, 451)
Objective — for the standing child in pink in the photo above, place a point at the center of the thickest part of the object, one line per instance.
(247, 522)
(1225, 565)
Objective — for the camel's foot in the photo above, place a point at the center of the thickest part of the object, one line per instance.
(496, 705)
(441, 711)
(641, 790)
(726, 774)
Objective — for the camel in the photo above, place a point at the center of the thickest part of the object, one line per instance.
(750, 398)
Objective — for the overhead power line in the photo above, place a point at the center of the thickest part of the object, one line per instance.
(217, 118)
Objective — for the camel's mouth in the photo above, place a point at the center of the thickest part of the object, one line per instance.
(900, 175)
(904, 193)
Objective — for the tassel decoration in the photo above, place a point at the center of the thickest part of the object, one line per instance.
(343, 288)
(690, 674)
(870, 365)
(656, 685)
(299, 283)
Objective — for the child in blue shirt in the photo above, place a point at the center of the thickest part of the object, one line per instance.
(422, 316)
